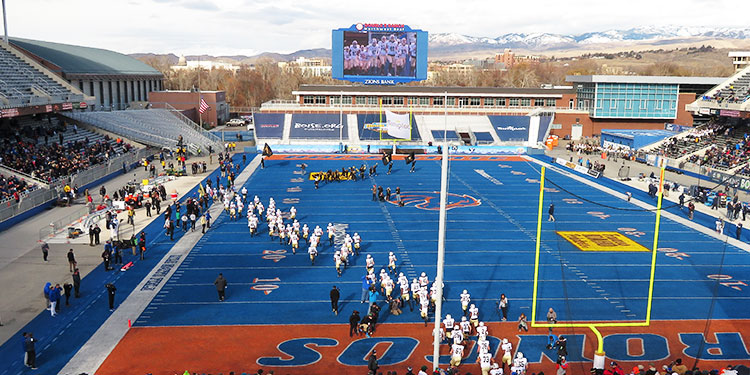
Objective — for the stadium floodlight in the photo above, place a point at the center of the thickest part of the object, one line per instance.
(599, 354)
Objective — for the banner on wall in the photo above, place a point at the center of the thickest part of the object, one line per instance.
(269, 125)
(318, 125)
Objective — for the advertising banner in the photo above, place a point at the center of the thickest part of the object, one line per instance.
(269, 125)
(318, 126)
(511, 128)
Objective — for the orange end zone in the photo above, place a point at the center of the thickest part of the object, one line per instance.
(328, 349)
(396, 157)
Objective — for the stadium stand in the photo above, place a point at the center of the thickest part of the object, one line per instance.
(22, 85)
(153, 127)
(735, 90)
(69, 150)
(12, 188)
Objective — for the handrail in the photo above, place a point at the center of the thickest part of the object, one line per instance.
(6, 169)
(211, 137)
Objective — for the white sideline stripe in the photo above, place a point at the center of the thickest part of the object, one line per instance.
(93, 353)
(676, 218)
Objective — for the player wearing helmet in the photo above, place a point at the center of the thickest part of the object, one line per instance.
(465, 299)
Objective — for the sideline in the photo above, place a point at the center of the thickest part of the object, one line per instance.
(671, 216)
(93, 353)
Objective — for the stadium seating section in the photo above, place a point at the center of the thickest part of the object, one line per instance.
(737, 91)
(21, 84)
(48, 149)
(153, 127)
(12, 188)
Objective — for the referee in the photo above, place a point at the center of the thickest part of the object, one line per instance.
(335, 300)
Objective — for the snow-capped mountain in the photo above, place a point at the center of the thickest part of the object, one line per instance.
(546, 41)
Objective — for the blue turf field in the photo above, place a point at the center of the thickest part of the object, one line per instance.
(489, 250)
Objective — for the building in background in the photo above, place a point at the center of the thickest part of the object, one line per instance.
(188, 102)
(635, 102)
(508, 58)
(184, 64)
(309, 67)
(740, 59)
(116, 80)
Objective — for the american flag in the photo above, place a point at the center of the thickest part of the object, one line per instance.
(203, 106)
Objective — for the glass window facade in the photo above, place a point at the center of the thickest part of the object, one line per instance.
(629, 100)
(314, 99)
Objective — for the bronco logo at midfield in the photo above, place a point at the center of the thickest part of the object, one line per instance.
(430, 200)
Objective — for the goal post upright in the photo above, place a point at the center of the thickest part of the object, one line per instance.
(599, 354)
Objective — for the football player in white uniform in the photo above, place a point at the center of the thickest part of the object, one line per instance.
(482, 330)
(519, 364)
(507, 347)
(423, 280)
(458, 336)
(313, 251)
(465, 299)
(474, 315)
(457, 353)
(330, 234)
(357, 243)
(337, 261)
(369, 263)
(465, 327)
(485, 362)
(448, 322)
(391, 262)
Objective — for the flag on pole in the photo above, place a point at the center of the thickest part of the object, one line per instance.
(267, 150)
(397, 125)
(203, 106)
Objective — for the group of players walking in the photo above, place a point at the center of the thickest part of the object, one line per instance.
(388, 56)
(419, 291)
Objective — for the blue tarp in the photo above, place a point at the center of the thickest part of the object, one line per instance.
(318, 125)
(438, 135)
(269, 125)
(511, 128)
(483, 137)
(544, 122)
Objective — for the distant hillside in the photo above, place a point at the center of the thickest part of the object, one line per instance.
(241, 59)
(452, 46)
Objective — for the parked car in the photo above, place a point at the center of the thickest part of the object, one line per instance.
(235, 122)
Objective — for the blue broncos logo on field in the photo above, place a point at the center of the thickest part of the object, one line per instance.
(430, 200)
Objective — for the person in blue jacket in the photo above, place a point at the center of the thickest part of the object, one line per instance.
(23, 346)
(54, 297)
(365, 288)
(47, 287)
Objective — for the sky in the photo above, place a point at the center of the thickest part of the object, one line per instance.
(249, 27)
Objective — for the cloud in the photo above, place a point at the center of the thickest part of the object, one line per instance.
(290, 25)
(199, 5)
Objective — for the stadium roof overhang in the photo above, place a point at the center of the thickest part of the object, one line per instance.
(74, 61)
(665, 80)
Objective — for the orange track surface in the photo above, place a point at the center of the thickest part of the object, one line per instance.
(214, 349)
